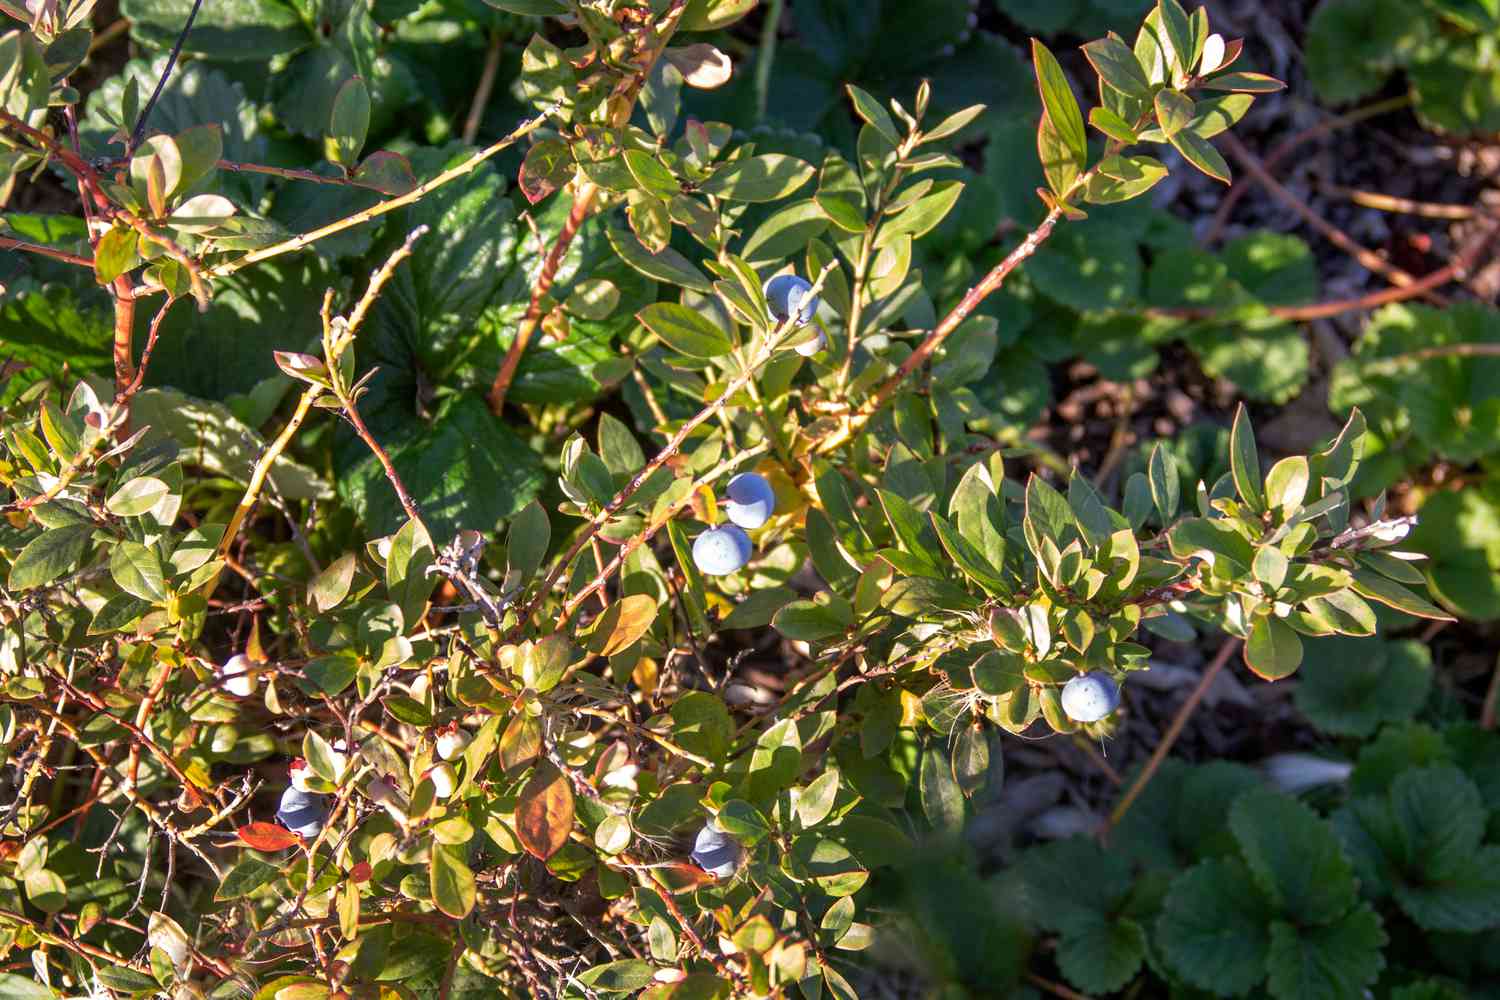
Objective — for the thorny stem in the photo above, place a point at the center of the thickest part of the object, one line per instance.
(693, 423)
(1173, 731)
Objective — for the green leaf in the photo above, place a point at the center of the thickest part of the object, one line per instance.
(115, 254)
(1112, 125)
(452, 882)
(138, 496)
(526, 543)
(49, 555)
(923, 215)
(758, 608)
(250, 30)
(245, 877)
(702, 724)
(769, 177)
(808, 621)
(1116, 65)
(1102, 956)
(666, 265)
(1197, 151)
(1166, 484)
(1349, 687)
(874, 114)
(1061, 105)
(1178, 31)
(1213, 928)
(14, 987)
(942, 799)
(138, 571)
(624, 976)
(967, 557)
(1174, 111)
(1294, 856)
(349, 123)
(1069, 885)
(1272, 649)
(1387, 592)
(775, 762)
(1244, 460)
(685, 330)
(1329, 962)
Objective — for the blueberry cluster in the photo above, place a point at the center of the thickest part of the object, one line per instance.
(749, 502)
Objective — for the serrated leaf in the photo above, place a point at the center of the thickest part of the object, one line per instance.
(1326, 962)
(1213, 928)
(1294, 856)
(1349, 687)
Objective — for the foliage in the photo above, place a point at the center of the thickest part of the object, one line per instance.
(352, 474)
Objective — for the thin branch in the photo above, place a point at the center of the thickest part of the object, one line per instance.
(375, 211)
(139, 132)
(140, 372)
(484, 87)
(289, 173)
(1279, 154)
(583, 201)
(6, 243)
(1405, 206)
(1368, 258)
(1173, 731)
(971, 300)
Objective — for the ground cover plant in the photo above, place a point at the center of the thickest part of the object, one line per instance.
(588, 498)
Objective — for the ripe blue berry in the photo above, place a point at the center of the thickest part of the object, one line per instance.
(1090, 697)
(751, 501)
(810, 347)
(787, 294)
(716, 852)
(722, 550)
(301, 812)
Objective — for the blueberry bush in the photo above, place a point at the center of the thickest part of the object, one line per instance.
(418, 420)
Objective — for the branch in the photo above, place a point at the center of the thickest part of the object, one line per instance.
(622, 105)
(484, 87)
(289, 173)
(1329, 231)
(583, 201)
(6, 243)
(1173, 731)
(375, 211)
(139, 132)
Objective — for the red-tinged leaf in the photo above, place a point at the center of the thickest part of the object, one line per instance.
(547, 167)
(360, 873)
(1245, 83)
(266, 837)
(544, 812)
(677, 877)
(386, 172)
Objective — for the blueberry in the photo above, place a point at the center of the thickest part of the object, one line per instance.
(810, 347)
(235, 676)
(722, 550)
(787, 294)
(301, 812)
(716, 852)
(751, 501)
(1090, 697)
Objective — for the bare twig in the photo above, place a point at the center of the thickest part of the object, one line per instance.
(1173, 731)
(1368, 258)
(1405, 206)
(484, 87)
(6, 243)
(139, 132)
(1275, 158)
